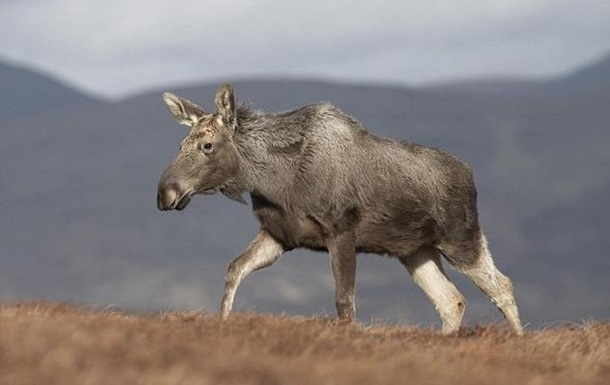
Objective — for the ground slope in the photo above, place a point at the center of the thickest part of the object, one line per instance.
(43, 343)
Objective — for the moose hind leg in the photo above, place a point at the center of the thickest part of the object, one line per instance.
(498, 287)
(262, 252)
(427, 271)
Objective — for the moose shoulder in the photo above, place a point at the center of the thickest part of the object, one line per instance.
(317, 179)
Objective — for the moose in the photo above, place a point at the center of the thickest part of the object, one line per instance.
(319, 180)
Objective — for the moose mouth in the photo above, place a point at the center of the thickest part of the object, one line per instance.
(180, 202)
(183, 202)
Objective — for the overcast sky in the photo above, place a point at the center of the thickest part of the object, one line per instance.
(118, 47)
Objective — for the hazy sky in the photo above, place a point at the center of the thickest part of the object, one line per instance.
(114, 47)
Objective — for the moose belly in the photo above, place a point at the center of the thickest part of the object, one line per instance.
(398, 232)
(397, 235)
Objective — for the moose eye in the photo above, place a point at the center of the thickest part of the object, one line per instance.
(206, 147)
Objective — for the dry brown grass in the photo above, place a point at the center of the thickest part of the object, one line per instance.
(42, 343)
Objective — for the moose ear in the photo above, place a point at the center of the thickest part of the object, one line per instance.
(225, 104)
(185, 112)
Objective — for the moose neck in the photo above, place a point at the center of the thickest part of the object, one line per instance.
(269, 150)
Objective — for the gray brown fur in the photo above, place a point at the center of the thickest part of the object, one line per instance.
(318, 180)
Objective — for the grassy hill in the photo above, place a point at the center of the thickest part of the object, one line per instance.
(45, 343)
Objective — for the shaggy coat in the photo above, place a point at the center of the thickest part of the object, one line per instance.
(318, 180)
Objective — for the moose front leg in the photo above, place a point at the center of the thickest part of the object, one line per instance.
(342, 252)
(262, 252)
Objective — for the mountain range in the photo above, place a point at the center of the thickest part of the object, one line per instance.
(79, 222)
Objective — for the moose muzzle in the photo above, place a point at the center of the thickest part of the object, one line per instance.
(171, 197)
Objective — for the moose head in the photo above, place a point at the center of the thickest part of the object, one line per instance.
(208, 158)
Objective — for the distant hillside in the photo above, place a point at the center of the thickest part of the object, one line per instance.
(589, 78)
(51, 344)
(27, 92)
(495, 86)
(79, 220)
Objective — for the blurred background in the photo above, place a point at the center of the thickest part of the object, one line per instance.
(519, 89)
